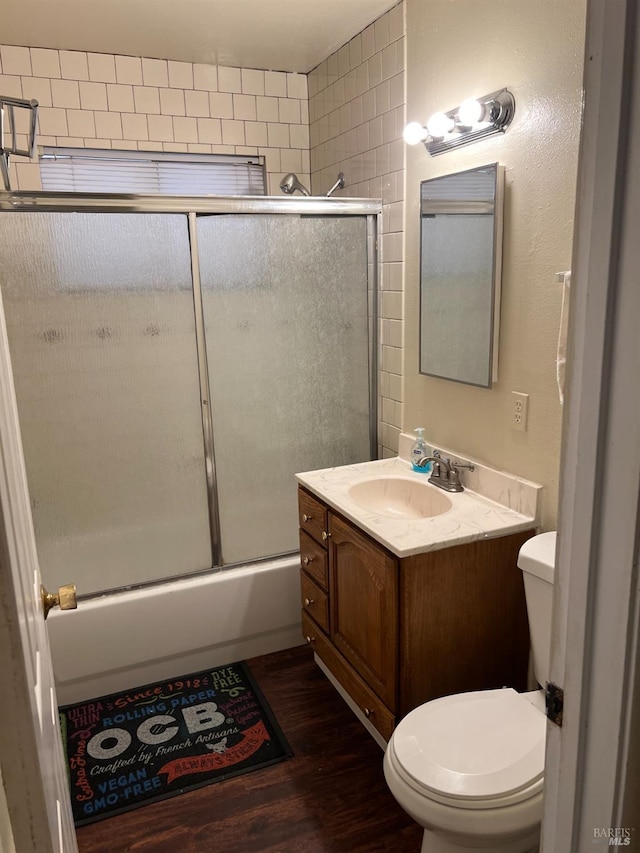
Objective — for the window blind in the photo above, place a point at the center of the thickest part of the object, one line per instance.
(150, 172)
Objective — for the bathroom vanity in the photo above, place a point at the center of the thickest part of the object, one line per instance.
(401, 609)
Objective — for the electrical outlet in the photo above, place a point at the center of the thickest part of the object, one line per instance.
(519, 411)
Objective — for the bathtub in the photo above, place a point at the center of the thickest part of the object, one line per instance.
(123, 640)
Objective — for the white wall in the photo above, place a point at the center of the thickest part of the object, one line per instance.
(458, 50)
(94, 100)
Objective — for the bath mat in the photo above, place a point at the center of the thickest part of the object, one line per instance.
(140, 746)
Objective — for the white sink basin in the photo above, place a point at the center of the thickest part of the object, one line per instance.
(399, 497)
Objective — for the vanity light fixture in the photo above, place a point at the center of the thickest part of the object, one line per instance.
(474, 119)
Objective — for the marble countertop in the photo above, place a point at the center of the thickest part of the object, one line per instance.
(472, 516)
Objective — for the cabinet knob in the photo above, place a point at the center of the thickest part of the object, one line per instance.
(368, 712)
(325, 535)
(310, 640)
(307, 560)
(306, 517)
(308, 602)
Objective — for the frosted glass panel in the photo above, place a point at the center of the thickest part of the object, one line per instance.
(460, 274)
(457, 308)
(285, 303)
(101, 329)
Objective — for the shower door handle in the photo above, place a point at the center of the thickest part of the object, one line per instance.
(65, 598)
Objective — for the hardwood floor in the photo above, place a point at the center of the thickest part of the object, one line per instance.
(330, 797)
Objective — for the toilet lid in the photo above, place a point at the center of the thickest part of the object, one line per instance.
(469, 746)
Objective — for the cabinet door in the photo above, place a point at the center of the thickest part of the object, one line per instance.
(364, 607)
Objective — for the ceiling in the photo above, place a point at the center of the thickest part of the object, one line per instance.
(276, 35)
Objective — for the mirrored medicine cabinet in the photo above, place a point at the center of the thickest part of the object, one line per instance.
(460, 272)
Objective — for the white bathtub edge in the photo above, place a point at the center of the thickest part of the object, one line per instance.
(124, 640)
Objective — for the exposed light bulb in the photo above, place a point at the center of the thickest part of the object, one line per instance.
(439, 125)
(470, 112)
(414, 132)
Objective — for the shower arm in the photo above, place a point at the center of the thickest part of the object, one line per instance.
(339, 184)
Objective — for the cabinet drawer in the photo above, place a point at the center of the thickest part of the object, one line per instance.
(314, 601)
(313, 559)
(371, 705)
(312, 516)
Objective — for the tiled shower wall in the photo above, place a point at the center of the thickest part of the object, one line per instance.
(357, 113)
(95, 100)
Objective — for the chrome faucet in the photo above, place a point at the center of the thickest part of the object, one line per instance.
(445, 474)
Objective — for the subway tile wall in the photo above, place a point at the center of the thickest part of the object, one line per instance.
(357, 113)
(95, 100)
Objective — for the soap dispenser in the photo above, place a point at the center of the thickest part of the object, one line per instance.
(419, 451)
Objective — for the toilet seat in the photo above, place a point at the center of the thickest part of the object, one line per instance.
(473, 750)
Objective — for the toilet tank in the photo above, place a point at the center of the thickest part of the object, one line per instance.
(537, 560)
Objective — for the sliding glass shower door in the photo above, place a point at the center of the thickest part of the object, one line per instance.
(173, 371)
(99, 311)
(285, 310)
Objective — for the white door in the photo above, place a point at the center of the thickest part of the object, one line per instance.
(31, 758)
(592, 765)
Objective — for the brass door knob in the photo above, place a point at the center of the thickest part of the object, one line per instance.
(310, 640)
(65, 598)
(308, 602)
(325, 535)
(368, 712)
(306, 517)
(307, 560)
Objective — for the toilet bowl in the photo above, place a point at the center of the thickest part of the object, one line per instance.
(469, 768)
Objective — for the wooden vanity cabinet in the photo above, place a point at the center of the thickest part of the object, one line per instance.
(397, 632)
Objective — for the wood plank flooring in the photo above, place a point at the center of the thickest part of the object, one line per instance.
(330, 797)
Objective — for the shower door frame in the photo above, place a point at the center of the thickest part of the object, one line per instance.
(191, 207)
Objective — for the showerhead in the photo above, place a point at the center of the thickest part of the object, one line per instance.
(290, 183)
(339, 184)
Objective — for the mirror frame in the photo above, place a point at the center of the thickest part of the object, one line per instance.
(496, 275)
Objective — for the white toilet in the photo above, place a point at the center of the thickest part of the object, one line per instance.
(469, 768)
